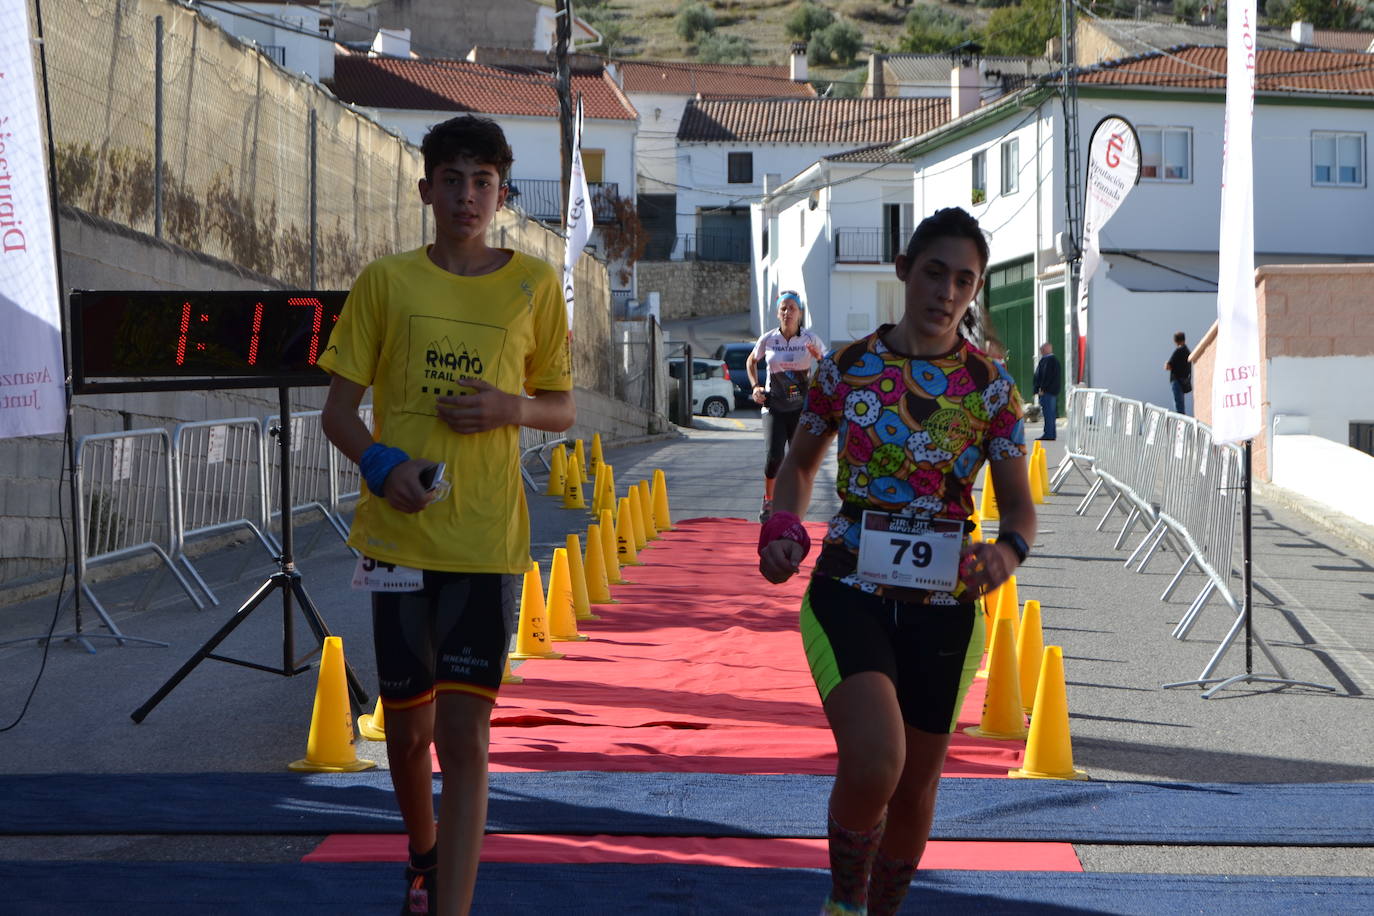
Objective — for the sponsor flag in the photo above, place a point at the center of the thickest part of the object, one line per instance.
(31, 370)
(1113, 169)
(579, 219)
(1235, 383)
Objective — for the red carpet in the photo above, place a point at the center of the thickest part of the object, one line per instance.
(738, 852)
(699, 668)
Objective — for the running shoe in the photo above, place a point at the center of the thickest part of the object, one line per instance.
(766, 512)
(832, 908)
(419, 892)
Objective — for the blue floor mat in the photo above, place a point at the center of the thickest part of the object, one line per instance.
(153, 888)
(693, 804)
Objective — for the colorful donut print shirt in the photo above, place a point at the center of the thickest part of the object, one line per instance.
(911, 435)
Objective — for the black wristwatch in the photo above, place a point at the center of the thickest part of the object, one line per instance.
(1016, 543)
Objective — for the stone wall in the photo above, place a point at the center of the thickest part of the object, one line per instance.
(689, 289)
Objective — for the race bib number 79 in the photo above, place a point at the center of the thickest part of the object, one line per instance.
(910, 552)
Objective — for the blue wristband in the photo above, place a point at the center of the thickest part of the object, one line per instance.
(377, 462)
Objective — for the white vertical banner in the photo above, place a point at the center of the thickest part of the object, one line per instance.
(1113, 169)
(31, 372)
(579, 220)
(1235, 381)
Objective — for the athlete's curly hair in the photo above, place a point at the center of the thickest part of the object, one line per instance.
(480, 139)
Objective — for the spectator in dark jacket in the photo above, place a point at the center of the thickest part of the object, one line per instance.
(1048, 377)
(1180, 371)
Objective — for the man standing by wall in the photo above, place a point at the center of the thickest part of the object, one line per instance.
(1180, 371)
(1048, 377)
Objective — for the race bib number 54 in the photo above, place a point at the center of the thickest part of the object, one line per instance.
(375, 576)
(910, 552)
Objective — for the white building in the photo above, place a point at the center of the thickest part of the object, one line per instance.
(295, 35)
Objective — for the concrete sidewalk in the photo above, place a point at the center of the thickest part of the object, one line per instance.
(1313, 601)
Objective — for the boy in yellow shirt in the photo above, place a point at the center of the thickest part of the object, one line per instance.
(449, 337)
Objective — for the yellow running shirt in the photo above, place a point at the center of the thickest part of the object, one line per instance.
(409, 330)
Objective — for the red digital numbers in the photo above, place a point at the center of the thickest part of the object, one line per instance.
(318, 306)
(185, 332)
(257, 335)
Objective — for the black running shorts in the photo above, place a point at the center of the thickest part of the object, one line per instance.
(929, 652)
(452, 636)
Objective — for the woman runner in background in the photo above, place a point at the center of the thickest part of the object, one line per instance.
(790, 351)
(917, 409)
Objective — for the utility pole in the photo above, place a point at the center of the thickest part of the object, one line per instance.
(1073, 230)
(562, 42)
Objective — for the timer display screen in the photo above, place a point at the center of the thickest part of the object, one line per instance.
(183, 335)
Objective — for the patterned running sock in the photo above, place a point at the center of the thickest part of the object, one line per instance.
(420, 883)
(888, 884)
(851, 857)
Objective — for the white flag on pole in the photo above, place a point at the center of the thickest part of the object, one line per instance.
(1235, 382)
(31, 371)
(579, 220)
(1113, 169)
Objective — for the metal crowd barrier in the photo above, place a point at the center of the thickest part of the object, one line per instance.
(218, 477)
(1078, 456)
(125, 506)
(346, 480)
(537, 443)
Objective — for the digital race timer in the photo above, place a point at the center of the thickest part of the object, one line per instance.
(256, 338)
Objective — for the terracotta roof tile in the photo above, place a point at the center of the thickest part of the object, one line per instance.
(1337, 40)
(1205, 68)
(459, 85)
(737, 81)
(853, 121)
(878, 152)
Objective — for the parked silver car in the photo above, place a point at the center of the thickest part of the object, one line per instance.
(712, 391)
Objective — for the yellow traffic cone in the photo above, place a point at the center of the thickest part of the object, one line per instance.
(1002, 716)
(636, 517)
(562, 619)
(1049, 752)
(625, 538)
(646, 511)
(1033, 478)
(1003, 607)
(598, 585)
(577, 574)
(597, 459)
(510, 677)
(1042, 464)
(532, 638)
(610, 553)
(329, 749)
(663, 519)
(598, 485)
(1030, 646)
(581, 455)
(572, 490)
(610, 496)
(558, 470)
(372, 726)
(987, 507)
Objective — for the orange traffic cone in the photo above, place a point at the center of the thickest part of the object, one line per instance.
(598, 585)
(1049, 752)
(510, 677)
(577, 573)
(1002, 716)
(558, 471)
(987, 506)
(329, 749)
(572, 490)
(532, 637)
(610, 553)
(625, 534)
(562, 618)
(1030, 646)
(646, 499)
(597, 459)
(580, 454)
(663, 519)
(372, 726)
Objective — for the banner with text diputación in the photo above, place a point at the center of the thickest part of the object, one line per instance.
(1236, 412)
(1113, 169)
(31, 373)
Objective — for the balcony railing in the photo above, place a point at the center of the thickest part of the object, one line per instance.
(542, 199)
(867, 246)
(710, 246)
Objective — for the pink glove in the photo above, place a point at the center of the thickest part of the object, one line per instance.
(784, 526)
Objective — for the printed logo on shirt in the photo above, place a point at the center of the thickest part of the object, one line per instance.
(444, 350)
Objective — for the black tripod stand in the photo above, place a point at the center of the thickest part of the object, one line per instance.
(287, 580)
